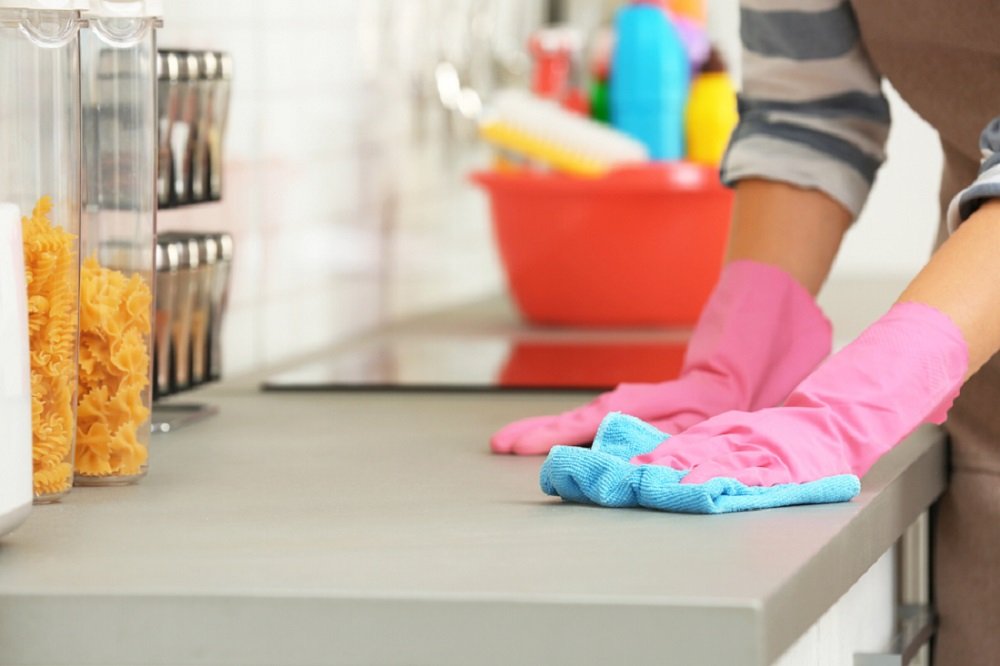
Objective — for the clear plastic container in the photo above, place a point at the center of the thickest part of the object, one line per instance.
(117, 242)
(40, 173)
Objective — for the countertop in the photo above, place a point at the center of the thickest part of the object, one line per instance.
(376, 528)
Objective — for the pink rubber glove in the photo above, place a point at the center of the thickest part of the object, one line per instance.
(760, 333)
(901, 372)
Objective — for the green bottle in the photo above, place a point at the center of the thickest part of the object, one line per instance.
(600, 101)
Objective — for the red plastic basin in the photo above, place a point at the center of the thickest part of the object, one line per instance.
(640, 246)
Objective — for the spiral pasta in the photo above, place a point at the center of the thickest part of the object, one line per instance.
(114, 372)
(50, 273)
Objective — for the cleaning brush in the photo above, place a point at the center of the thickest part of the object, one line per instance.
(543, 131)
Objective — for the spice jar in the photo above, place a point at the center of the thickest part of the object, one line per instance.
(217, 123)
(219, 301)
(208, 255)
(167, 266)
(188, 258)
(168, 101)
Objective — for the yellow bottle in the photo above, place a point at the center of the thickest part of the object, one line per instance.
(694, 10)
(711, 117)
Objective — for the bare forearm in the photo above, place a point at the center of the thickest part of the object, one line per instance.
(798, 230)
(961, 280)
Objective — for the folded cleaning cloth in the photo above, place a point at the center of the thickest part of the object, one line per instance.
(603, 475)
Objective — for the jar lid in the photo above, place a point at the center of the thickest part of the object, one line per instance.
(45, 5)
(188, 65)
(208, 249)
(225, 242)
(168, 256)
(186, 245)
(208, 65)
(225, 65)
(123, 8)
(167, 66)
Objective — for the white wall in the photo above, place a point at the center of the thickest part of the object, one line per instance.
(896, 231)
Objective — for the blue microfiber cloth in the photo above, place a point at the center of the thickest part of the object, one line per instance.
(603, 475)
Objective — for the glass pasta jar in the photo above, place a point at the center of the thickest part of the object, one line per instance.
(40, 174)
(117, 241)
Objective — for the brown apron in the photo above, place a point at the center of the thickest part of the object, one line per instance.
(944, 59)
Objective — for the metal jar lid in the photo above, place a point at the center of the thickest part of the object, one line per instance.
(187, 65)
(167, 66)
(188, 254)
(225, 242)
(208, 248)
(208, 65)
(225, 70)
(168, 258)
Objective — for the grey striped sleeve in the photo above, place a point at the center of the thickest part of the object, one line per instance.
(812, 112)
(987, 185)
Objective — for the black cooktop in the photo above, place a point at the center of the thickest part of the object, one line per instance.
(476, 363)
(485, 346)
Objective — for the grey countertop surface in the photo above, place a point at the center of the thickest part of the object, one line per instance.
(375, 528)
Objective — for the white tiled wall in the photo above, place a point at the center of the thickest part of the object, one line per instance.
(346, 185)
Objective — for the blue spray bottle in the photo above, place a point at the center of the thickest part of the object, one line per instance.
(650, 77)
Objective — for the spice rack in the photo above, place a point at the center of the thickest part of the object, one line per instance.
(192, 269)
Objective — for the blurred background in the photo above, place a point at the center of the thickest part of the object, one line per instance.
(346, 176)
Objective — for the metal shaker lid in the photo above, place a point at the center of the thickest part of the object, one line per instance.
(225, 242)
(167, 66)
(208, 65)
(225, 65)
(195, 257)
(188, 254)
(188, 67)
(203, 247)
(208, 248)
(168, 258)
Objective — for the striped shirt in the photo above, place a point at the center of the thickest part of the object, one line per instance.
(987, 185)
(812, 112)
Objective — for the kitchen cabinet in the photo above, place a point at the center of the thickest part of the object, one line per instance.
(861, 621)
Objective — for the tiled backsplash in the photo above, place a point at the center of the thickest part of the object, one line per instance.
(346, 186)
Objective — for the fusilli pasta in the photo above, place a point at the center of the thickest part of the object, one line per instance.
(50, 272)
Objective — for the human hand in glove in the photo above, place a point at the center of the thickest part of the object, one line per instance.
(904, 370)
(759, 335)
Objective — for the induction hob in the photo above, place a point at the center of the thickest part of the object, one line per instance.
(485, 347)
